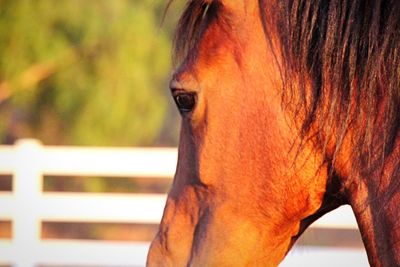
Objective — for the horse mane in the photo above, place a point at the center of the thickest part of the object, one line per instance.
(349, 51)
(192, 23)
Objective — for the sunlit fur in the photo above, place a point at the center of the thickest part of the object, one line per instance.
(298, 112)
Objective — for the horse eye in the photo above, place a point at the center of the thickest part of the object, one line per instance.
(185, 102)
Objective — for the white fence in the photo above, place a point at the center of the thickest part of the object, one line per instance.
(27, 206)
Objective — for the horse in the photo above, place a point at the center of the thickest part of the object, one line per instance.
(289, 109)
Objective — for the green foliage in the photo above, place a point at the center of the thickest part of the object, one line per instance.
(85, 72)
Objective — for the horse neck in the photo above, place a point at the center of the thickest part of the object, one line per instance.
(375, 201)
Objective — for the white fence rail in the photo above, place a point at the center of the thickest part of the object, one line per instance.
(27, 206)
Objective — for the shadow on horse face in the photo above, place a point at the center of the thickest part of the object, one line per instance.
(243, 193)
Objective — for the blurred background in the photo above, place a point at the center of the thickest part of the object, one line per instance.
(95, 73)
(86, 72)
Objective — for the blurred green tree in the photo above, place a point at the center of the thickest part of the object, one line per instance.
(86, 72)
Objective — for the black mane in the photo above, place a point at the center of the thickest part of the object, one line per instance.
(191, 25)
(350, 52)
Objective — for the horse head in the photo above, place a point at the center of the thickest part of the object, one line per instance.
(254, 169)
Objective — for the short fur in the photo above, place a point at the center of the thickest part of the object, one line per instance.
(336, 64)
(350, 52)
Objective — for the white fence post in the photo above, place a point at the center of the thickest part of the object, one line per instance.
(27, 187)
